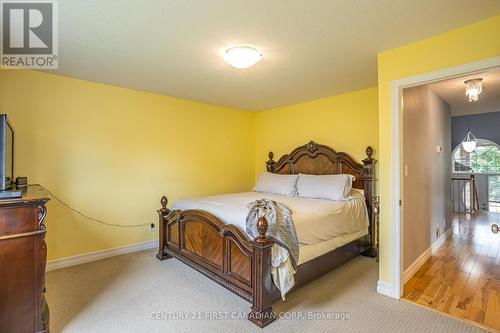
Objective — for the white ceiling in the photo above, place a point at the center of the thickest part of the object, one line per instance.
(453, 92)
(311, 49)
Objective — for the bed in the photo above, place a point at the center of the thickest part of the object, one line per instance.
(208, 235)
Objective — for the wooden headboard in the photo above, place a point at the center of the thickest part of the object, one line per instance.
(316, 159)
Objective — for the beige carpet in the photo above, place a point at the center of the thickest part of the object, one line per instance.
(123, 294)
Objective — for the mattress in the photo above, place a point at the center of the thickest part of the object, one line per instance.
(310, 252)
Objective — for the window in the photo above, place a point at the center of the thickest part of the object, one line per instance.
(494, 193)
(484, 159)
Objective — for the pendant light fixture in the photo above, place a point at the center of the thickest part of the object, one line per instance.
(469, 143)
(473, 88)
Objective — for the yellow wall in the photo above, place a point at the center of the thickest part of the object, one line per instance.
(471, 43)
(113, 152)
(346, 122)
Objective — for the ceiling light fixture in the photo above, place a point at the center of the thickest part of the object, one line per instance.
(242, 56)
(473, 88)
(470, 142)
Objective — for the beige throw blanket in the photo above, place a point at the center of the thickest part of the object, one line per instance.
(284, 254)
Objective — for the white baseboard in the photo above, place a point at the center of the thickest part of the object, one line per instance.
(384, 288)
(98, 255)
(440, 241)
(415, 266)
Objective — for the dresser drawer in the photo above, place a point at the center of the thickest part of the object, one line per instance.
(16, 220)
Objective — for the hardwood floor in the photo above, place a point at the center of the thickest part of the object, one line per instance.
(462, 278)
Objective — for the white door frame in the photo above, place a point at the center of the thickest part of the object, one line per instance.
(397, 87)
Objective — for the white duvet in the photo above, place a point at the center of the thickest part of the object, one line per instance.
(316, 221)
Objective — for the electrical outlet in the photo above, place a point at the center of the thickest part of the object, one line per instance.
(151, 227)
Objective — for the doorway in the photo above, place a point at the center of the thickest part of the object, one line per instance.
(399, 174)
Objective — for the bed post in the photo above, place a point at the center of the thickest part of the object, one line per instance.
(270, 163)
(261, 312)
(368, 179)
(162, 227)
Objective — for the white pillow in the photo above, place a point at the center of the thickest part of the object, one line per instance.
(277, 184)
(331, 187)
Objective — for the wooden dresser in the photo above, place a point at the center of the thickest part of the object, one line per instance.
(23, 256)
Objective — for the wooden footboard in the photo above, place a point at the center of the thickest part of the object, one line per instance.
(223, 253)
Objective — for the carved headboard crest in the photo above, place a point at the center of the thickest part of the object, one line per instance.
(312, 146)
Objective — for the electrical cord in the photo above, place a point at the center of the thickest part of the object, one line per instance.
(86, 216)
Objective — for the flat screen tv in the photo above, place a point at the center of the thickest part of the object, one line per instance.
(6, 154)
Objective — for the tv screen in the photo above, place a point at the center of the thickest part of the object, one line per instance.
(6, 153)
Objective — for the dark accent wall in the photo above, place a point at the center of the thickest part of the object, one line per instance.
(483, 126)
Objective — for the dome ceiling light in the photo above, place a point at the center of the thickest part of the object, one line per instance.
(242, 56)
